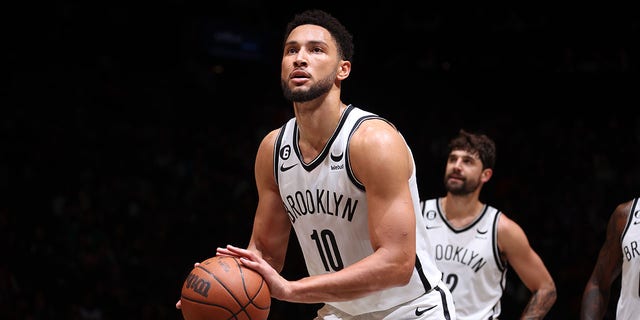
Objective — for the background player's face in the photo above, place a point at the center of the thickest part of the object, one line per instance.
(463, 173)
(310, 63)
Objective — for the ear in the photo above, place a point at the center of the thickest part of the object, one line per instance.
(344, 69)
(486, 175)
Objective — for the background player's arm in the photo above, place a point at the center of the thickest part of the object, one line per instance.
(517, 250)
(608, 267)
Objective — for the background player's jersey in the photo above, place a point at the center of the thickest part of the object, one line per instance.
(327, 207)
(469, 260)
(629, 302)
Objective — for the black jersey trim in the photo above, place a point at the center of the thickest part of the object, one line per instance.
(423, 278)
(347, 157)
(276, 151)
(629, 219)
(445, 303)
(494, 241)
(327, 147)
(485, 209)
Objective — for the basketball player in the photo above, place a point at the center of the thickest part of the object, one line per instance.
(474, 243)
(345, 180)
(620, 253)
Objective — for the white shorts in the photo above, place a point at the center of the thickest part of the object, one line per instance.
(436, 304)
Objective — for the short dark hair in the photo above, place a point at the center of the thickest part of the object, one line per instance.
(317, 17)
(476, 143)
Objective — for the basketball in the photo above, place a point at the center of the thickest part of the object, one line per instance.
(221, 288)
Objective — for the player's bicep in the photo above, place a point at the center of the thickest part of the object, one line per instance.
(380, 158)
(382, 162)
(521, 256)
(609, 264)
(271, 226)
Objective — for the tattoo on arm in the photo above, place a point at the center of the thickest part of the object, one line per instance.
(539, 305)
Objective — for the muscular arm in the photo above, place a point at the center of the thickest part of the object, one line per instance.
(271, 226)
(383, 163)
(529, 266)
(608, 267)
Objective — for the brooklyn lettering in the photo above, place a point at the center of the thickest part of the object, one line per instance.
(631, 251)
(307, 202)
(461, 255)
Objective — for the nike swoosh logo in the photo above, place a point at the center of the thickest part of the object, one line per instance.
(433, 227)
(336, 158)
(283, 168)
(482, 232)
(420, 312)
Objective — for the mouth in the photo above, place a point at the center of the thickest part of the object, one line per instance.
(299, 74)
(299, 77)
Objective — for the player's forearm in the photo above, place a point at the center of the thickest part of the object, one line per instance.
(539, 304)
(594, 304)
(351, 283)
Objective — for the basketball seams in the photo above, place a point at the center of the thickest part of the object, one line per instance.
(231, 293)
(245, 287)
(221, 273)
(207, 303)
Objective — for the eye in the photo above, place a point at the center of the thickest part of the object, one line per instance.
(290, 50)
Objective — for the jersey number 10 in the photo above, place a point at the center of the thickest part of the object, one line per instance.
(328, 249)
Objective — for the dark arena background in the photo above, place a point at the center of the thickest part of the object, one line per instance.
(129, 132)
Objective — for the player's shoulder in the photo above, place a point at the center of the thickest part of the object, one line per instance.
(623, 210)
(271, 137)
(375, 132)
(506, 225)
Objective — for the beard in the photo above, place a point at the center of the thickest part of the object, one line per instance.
(461, 189)
(322, 87)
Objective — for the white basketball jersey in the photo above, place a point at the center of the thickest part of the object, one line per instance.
(629, 302)
(327, 207)
(469, 260)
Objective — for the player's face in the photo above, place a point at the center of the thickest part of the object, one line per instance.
(310, 63)
(463, 172)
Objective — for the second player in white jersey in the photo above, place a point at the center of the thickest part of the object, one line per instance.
(474, 272)
(474, 244)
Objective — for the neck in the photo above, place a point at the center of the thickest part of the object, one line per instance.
(460, 206)
(316, 124)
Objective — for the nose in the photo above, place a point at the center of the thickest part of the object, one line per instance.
(457, 164)
(301, 59)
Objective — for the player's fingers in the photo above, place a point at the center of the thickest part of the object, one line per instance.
(224, 252)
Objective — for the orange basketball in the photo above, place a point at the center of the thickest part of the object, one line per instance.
(221, 288)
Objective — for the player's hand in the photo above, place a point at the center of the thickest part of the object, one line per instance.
(278, 286)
